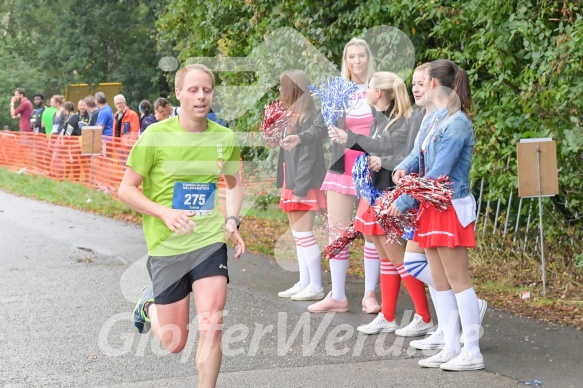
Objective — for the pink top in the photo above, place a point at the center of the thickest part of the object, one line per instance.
(358, 120)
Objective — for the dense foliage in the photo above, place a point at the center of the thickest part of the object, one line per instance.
(47, 45)
(524, 59)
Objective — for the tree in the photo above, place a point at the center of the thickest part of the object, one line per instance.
(524, 59)
(81, 41)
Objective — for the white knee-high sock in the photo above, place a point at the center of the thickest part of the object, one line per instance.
(449, 319)
(372, 267)
(338, 269)
(433, 294)
(467, 302)
(311, 251)
(304, 274)
(416, 264)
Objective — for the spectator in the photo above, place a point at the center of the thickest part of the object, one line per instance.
(82, 111)
(36, 120)
(24, 110)
(92, 109)
(127, 122)
(105, 116)
(71, 127)
(146, 116)
(60, 117)
(47, 118)
(213, 117)
(164, 110)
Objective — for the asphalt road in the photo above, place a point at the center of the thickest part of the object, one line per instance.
(69, 281)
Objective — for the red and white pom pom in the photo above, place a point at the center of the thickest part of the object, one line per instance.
(436, 192)
(276, 120)
(340, 242)
(394, 226)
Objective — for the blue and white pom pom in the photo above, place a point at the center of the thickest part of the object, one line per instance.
(335, 96)
(363, 181)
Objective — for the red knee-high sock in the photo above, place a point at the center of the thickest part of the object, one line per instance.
(416, 289)
(390, 285)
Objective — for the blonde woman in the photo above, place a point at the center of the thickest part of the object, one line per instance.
(60, 117)
(357, 66)
(387, 145)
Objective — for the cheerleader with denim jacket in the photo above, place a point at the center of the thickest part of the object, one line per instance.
(445, 147)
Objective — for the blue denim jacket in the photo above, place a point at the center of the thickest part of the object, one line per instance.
(449, 152)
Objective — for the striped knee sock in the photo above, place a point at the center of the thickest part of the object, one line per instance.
(304, 274)
(311, 252)
(372, 267)
(338, 269)
(416, 289)
(416, 264)
(390, 285)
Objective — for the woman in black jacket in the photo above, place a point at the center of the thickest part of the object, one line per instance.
(146, 115)
(300, 174)
(71, 120)
(386, 146)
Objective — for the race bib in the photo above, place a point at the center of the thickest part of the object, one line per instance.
(196, 197)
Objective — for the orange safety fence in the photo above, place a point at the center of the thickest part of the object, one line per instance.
(61, 158)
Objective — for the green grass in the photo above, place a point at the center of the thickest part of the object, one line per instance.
(273, 212)
(63, 193)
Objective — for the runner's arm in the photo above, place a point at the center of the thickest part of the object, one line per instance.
(129, 192)
(234, 194)
(234, 204)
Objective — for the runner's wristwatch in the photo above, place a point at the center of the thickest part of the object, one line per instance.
(237, 220)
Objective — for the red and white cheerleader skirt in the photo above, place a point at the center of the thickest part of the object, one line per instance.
(442, 229)
(315, 199)
(366, 221)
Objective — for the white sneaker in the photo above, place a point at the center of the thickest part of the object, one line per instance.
(465, 361)
(291, 291)
(378, 325)
(483, 307)
(415, 328)
(437, 359)
(434, 341)
(309, 293)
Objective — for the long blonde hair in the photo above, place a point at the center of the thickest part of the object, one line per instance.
(360, 43)
(395, 91)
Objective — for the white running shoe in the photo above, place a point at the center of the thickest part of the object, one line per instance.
(434, 341)
(291, 291)
(378, 325)
(465, 361)
(483, 307)
(309, 293)
(415, 328)
(437, 359)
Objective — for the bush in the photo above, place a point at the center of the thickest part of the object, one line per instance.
(523, 57)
